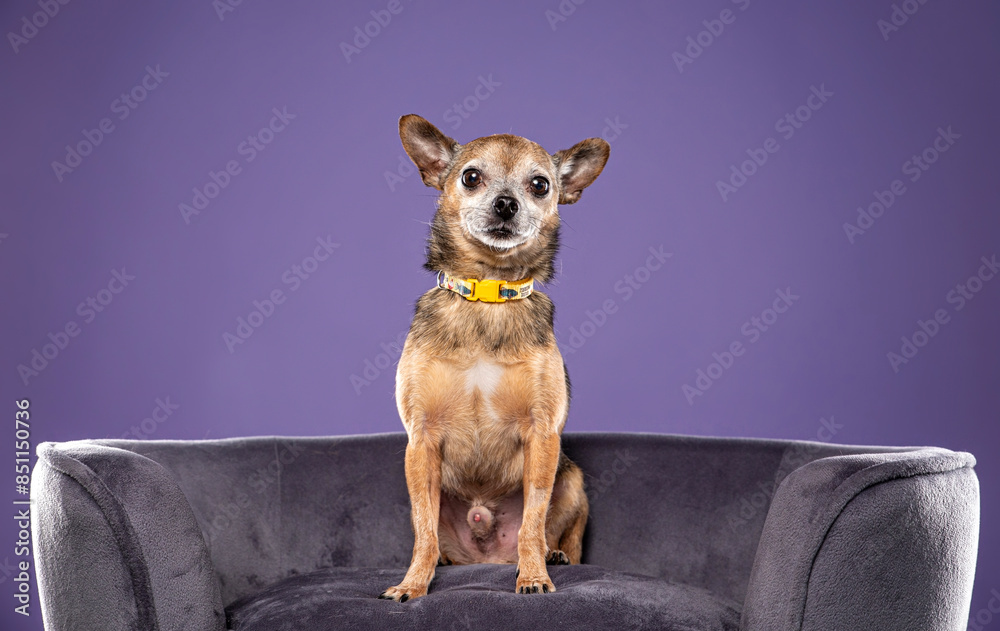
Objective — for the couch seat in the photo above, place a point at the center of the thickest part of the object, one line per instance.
(481, 597)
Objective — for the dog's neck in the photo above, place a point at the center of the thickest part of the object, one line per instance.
(450, 253)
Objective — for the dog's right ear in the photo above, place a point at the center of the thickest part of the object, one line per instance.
(429, 149)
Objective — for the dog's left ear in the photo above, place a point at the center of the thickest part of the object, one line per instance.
(429, 149)
(579, 166)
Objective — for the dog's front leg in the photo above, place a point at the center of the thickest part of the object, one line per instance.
(423, 480)
(541, 459)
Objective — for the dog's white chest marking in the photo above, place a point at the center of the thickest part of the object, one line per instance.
(483, 376)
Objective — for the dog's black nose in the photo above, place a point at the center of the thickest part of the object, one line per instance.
(505, 207)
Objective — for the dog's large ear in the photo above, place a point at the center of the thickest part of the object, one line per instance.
(429, 149)
(579, 166)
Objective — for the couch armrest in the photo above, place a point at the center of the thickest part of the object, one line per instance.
(117, 546)
(882, 541)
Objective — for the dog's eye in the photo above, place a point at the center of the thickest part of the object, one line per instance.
(471, 177)
(539, 186)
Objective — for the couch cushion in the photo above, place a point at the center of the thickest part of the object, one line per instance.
(476, 597)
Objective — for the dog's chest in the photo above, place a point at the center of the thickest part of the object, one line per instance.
(498, 396)
(482, 378)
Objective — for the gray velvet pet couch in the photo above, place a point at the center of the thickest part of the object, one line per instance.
(685, 533)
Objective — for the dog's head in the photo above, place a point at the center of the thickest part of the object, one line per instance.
(499, 195)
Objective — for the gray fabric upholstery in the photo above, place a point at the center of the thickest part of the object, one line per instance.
(838, 521)
(683, 531)
(480, 598)
(155, 553)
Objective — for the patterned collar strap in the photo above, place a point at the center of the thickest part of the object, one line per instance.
(487, 290)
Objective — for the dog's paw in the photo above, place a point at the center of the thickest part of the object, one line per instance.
(403, 593)
(557, 557)
(531, 583)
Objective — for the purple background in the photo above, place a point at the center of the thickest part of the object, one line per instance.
(676, 133)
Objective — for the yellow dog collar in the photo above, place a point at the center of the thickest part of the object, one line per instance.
(487, 290)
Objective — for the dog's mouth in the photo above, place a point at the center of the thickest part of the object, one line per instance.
(499, 235)
(500, 232)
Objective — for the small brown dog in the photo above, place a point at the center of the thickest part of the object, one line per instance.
(481, 387)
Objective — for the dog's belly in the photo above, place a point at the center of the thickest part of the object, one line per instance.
(497, 545)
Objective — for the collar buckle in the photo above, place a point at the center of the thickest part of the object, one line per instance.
(487, 290)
